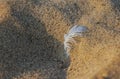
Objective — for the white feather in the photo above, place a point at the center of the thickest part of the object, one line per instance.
(69, 38)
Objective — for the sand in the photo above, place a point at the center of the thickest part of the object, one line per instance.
(32, 36)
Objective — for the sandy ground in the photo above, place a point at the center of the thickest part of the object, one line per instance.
(32, 36)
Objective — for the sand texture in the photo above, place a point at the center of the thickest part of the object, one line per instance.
(32, 36)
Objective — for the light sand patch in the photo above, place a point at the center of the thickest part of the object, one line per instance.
(4, 11)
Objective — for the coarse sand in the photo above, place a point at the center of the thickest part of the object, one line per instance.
(32, 36)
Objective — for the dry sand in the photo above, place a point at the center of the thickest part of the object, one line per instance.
(32, 36)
